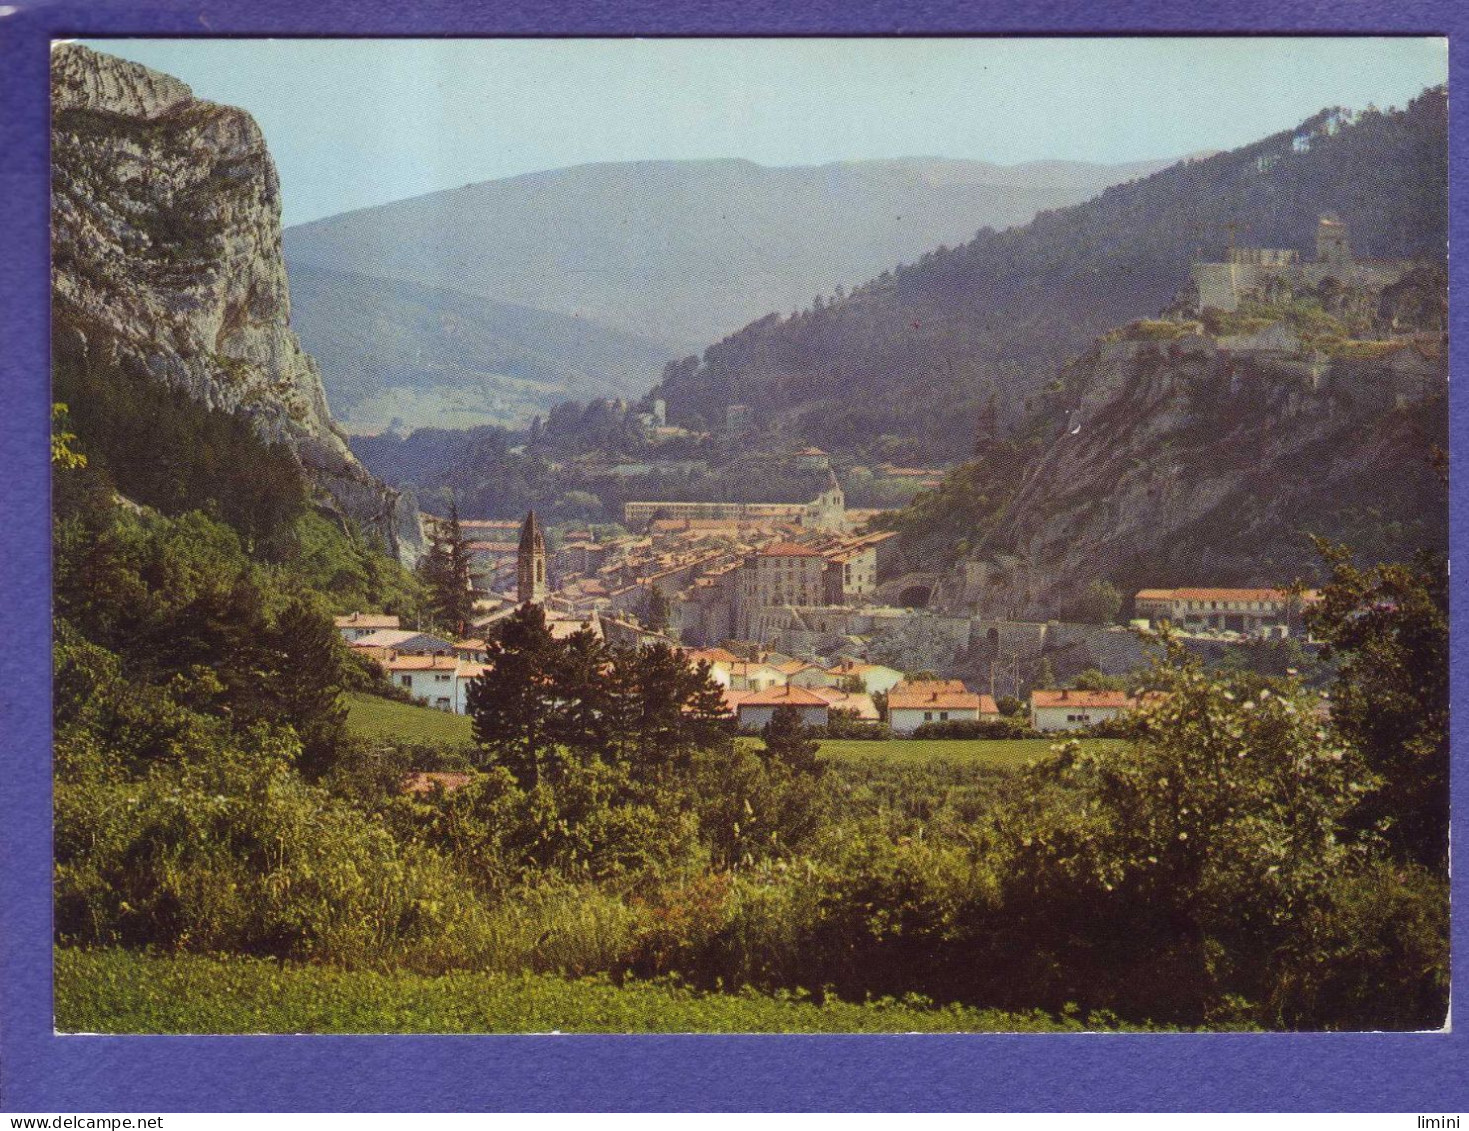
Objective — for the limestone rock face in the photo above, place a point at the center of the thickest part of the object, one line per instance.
(1175, 464)
(166, 253)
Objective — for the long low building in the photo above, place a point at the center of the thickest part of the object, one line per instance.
(1225, 610)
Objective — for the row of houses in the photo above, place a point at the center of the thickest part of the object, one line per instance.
(439, 672)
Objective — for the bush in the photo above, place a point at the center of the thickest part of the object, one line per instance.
(845, 724)
(1002, 728)
(227, 849)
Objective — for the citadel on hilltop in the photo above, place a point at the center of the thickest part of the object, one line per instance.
(1249, 271)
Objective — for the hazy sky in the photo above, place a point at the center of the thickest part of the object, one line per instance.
(359, 122)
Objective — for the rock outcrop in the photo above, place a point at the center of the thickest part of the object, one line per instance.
(1181, 463)
(166, 252)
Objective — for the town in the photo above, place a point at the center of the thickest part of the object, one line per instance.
(775, 599)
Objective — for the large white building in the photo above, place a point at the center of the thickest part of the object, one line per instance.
(756, 709)
(827, 511)
(441, 682)
(354, 626)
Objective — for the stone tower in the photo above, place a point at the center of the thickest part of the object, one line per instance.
(828, 511)
(1331, 240)
(530, 563)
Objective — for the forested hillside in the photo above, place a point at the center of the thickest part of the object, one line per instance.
(396, 354)
(919, 353)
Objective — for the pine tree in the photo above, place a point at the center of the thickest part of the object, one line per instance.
(445, 570)
(581, 689)
(512, 703)
(307, 682)
(789, 742)
(664, 709)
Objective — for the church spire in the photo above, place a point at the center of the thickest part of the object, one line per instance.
(530, 563)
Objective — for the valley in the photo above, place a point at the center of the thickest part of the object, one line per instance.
(666, 595)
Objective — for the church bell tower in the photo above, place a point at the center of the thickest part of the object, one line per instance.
(530, 563)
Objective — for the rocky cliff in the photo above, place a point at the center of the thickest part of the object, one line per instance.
(166, 253)
(1175, 463)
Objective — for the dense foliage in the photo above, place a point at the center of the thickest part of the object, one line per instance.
(444, 571)
(1390, 623)
(210, 460)
(1230, 860)
(1208, 871)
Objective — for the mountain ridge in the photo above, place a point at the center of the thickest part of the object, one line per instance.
(684, 251)
(913, 360)
(395, 354)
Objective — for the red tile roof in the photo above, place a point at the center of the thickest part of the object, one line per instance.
(366, 620)
(421, 664)
(858, 701)
(1198, 593)
(783, 696)
(930, 685)
(714, 656)
(1073, 698)
(947, 695)
(788, 550)
(427, 782)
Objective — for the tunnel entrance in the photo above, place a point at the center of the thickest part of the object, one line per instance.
(915, 597)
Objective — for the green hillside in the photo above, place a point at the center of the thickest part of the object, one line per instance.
(911, 360)
(394, 353)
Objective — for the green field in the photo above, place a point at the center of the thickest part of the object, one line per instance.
(121, 991)
(374, 717)
(999, 753)
(370, 716)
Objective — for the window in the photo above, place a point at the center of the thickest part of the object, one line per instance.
(943, 716)
(406, 680)
(443, 678)
(928, 716)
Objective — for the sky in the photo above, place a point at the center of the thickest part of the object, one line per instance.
(353, 123)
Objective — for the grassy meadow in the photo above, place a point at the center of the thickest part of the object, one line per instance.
(124, 991)
(1003, 754)
(371, 716)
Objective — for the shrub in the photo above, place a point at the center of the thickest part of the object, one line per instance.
(1001, 728)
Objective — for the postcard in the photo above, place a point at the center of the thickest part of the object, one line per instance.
(749, 536)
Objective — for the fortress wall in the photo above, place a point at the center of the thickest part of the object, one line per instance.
(1220, 284)
(1216, 285)
(1026, 639)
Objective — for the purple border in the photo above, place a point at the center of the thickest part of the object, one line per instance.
(41, 1072)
